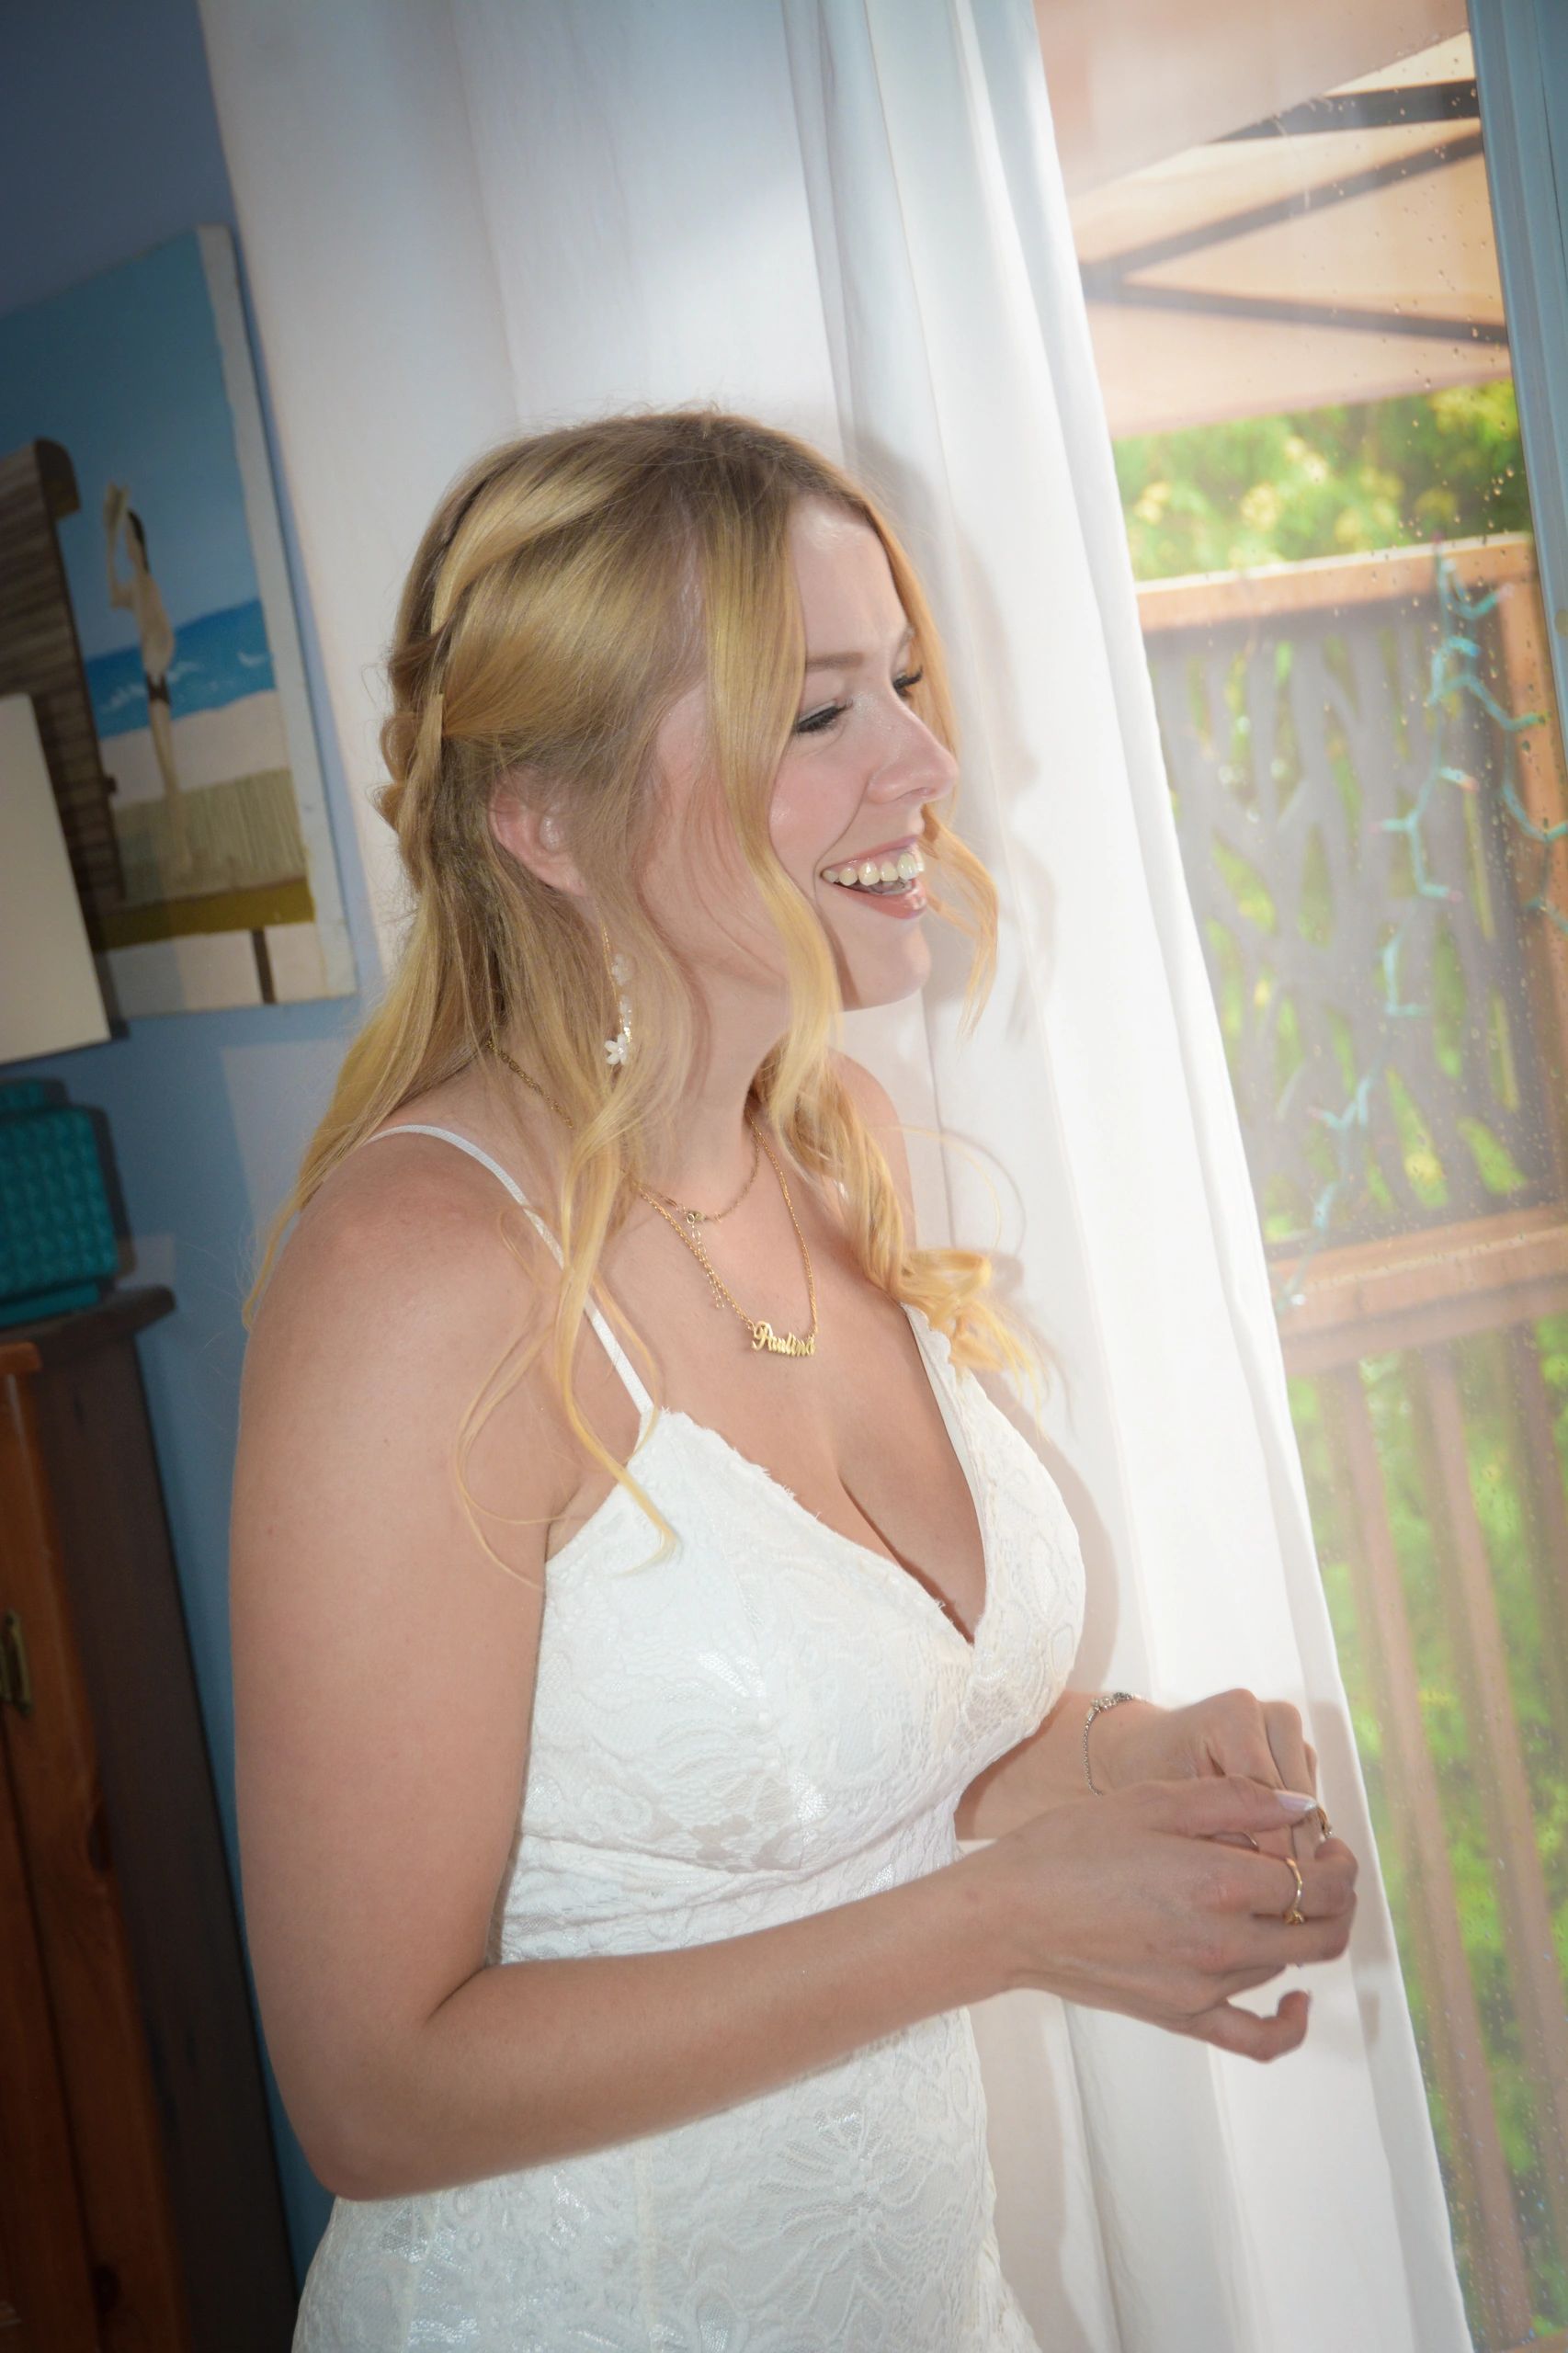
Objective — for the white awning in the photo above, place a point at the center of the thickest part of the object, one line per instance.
(1339, 249)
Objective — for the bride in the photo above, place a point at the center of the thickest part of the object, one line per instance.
(636, 1594)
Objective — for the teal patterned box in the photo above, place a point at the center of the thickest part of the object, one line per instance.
(58, 1248)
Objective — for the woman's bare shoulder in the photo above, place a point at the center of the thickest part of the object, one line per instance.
(396, 1180)
(409, 1251)
(409, 1282)
(411, 1198)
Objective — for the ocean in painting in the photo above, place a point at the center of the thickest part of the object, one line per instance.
(218, 659)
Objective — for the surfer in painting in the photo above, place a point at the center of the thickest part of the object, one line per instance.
(139, 594)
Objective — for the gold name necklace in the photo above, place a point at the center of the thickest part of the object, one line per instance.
(763, 1335)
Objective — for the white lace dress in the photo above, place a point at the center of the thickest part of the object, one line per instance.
(774, 1720)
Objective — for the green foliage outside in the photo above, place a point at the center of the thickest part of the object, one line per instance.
(1336, 482)
(1324, 482)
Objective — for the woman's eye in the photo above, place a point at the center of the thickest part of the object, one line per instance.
(817, 721)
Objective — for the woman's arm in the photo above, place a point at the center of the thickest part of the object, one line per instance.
(1227, 1733)
(1048, 1767)
(384, 1670)
(532, 2061)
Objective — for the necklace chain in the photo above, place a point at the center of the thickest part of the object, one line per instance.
(763, 1335)
(712, 1217)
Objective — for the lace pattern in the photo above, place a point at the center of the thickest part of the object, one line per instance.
(771, 1722)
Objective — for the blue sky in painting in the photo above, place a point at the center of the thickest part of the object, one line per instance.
(124, 373)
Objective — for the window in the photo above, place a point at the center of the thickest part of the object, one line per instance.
(1300, 336)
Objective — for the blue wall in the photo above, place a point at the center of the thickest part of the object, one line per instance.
(108, 143)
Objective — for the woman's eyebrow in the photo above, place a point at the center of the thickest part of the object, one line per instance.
(855, 661)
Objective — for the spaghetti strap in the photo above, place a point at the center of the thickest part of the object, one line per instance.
(612, 1346)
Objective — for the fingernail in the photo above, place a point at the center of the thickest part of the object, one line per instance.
(1294, 1803)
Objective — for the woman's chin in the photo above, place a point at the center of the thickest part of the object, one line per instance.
(902, 970)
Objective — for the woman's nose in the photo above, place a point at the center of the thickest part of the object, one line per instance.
(924, 771)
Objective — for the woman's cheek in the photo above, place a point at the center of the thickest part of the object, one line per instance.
(809, 818)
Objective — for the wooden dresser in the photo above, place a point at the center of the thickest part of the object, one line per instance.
(140, 2210)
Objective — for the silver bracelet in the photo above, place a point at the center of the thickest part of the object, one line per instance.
(1105, 1700)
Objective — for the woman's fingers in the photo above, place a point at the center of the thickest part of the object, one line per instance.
(1243, 2030)
(1172, 1901)
(1266, 1885)
(1227, 1802)
(1295, 1760)
(1288, 1944)
(1227, 1955)
(1264, 1740)
(1288, 1745)
(1235, 1932)
(1228, 1927)
(1235, 1878)
(1243, 1981)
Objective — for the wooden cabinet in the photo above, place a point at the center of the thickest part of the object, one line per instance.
(140, 2210)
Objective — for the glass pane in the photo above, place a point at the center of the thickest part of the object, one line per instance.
(1300, 333)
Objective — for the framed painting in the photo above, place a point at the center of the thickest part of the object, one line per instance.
(146, 611)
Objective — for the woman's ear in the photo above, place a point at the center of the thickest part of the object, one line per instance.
(532, 833)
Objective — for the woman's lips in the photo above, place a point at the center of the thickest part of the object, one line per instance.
(902, 904)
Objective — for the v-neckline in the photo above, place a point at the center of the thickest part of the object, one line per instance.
(962, 1454)
(947, 1403)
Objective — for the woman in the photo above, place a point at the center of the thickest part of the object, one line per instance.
(139, 594)
(601, 1768)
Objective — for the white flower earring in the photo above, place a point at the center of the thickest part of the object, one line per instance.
(616, 1048)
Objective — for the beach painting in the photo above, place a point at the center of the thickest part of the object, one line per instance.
(154, 630)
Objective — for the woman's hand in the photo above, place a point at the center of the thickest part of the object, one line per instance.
(1136, 1903)
(1231, 1731)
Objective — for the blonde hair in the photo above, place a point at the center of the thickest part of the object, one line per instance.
(569, 587)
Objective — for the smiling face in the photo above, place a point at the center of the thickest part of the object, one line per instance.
(861, 764)
(858, 770)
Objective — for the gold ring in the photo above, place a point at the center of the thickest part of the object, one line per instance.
(1295, 1917)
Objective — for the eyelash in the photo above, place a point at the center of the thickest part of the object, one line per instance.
(819, 722)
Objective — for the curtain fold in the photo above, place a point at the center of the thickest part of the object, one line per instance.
(848, 217)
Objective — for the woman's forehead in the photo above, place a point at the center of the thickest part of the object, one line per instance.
(848, 601)
(849, 604)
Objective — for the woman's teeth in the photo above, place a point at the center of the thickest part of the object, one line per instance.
(889, 873)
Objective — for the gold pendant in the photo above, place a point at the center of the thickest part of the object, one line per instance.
(783, 1344)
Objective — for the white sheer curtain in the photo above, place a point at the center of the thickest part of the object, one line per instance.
(846, 216)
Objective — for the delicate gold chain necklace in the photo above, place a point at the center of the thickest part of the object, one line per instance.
(763, 1335)
(712, 1217)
